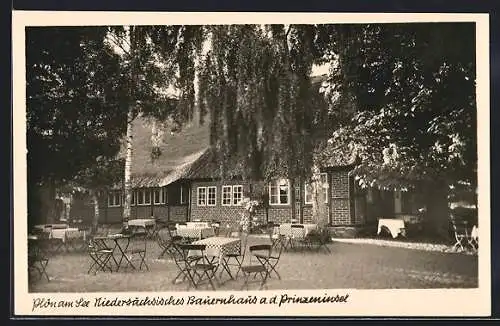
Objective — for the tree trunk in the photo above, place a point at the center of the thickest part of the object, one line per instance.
(437, 215)
(319, 213)
(128, 171)
(49, 197)
(95, 220)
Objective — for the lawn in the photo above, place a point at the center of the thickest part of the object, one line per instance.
(355, 266)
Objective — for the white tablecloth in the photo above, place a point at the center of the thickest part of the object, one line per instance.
(70, 232)
(394, 225)
(195, 232)
(286, 228)
(50, 227)
(198, 224)
(142, 222)
(219, 246)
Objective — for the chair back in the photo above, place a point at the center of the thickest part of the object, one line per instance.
(179, 255)
(94, 245)
(259, 248)
(37, 249)
(188, 250)
(139, 236)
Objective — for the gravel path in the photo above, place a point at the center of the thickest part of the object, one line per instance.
(404, 244)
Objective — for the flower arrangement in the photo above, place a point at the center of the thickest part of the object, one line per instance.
(247, 217)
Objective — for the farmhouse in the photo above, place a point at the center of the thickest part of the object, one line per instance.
(182, 184)
(175, 178)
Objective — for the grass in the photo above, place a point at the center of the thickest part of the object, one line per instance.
(360, 266)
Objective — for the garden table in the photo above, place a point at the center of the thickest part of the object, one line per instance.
(121, 243)
(218, 247)
(198, 224)
(50, 227)
(394, 225)
(149, 224)
(286, 228)
(195, 232)
(61, 233)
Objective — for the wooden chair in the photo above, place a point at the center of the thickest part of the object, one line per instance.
(38, 259)
(137, 249)
(236, 259)
(100, 256)
(319, 239)
(273, 257)
(198, 268)
(257, 266)
(275, 237)
(166, 239)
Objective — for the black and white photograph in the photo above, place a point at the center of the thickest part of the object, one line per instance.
(214, 161)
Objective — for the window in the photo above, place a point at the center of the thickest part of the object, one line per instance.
(114, 199)
(144, 197)
(232, 195)
(184, 195)
(134, 196)
(325, 185)
(158, 196)
(147, 197)
(308, 189)
(237, 194)
(227, 195)
(279, 192)
(202, 196)
(164, 197)
(211, 196)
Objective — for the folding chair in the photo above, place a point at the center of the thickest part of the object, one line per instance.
(166, 239)
(101, 256)
(460, 231)
(262, 253)
(137, 249)
(320, 239)
(200, 268)
(275, 237)
(272, 259)
(181, 262)
(236, 259)
(37, 259)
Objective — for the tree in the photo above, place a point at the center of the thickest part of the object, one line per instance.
(409, 91)
(99, 177)
(73, 115)
(150, 58)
